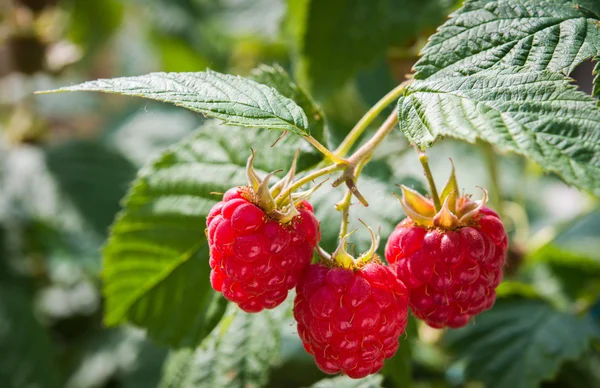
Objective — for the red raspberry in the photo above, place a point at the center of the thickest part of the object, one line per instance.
(451, 274)
(255, 260)
(350, 320)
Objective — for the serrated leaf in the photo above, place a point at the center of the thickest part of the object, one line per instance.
(550, 34)
(93, 177)
(373, 381)
(28, 359)
(276, 77)
(235, 100)
(536, 114)
(156, 259)
(520, 343)
(239, 353)
(279, 79)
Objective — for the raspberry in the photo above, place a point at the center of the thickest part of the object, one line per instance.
(350, 320)
(255, 259)
(451, 261)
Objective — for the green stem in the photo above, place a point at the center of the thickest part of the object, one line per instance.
(307, 179)
(344, 204)
(321, 148)
(362, 156)
(547, 235)
(368, 118)
(434, 193)
(367, 149)
(492, 166)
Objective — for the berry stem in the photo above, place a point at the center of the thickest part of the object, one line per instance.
(363, 155)
(344, 207)
(307, 179)
(328, 154)
(492, 167)
(425, 163)
(344, 204)
(368, 118)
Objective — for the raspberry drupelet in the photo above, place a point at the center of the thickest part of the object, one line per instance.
(258, 251)
(350, 317)
(450, 260)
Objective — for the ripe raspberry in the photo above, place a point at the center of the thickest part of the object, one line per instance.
(350, 319)
(450, 261)
(255, 260)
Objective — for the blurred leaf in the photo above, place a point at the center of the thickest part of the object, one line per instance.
(107, 356)
(583, 372)
(373, 381)
(409, 18)
(514, 33)
(234, 100)
(27, 355)
(578, 273)
(177, 55)
(398, 369)
(93, 22)
(552, 254)
(334, 39)
(238, 353)
(382, 219)
(520, 343)
(596, 91)
(536, 114)
(156, 272)
(93, 177)
(141, 136)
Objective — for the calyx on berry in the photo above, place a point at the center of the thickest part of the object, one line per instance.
(456, 211)
(341, 257)
(276, 204)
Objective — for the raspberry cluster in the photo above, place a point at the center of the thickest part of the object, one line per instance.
(256, 260)
(350, 320)
(445, 260)
(451, 274)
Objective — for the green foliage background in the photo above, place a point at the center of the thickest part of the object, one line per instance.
(494, 72)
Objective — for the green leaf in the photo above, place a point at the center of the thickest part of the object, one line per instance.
(332, 40)
(156, 272)
(279, 79)
(276, 77)
(28, 359)
(93, 177)
(238, 353)
(373, 381)
(536, 114)
(596, 91)
(552, 34)
(520, 343)
(93, 22)
(551, 254)
(234, 100)
(398, 369)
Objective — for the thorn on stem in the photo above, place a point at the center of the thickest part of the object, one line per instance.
(354, 190)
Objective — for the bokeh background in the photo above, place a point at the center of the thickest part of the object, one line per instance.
(66, 161)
